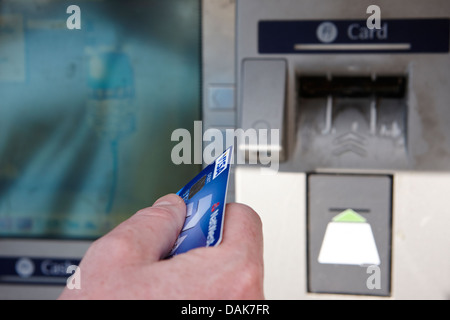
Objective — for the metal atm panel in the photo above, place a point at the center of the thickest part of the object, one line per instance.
(362, 107)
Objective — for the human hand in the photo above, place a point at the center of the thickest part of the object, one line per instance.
(127, 263)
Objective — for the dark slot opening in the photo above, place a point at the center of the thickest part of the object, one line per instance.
(353, 87)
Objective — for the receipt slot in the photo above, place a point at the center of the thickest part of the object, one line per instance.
(349, 234)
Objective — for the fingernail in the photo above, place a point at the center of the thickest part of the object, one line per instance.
(162, 203)
(168, 200)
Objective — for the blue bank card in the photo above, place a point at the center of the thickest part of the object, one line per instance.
(205, 198)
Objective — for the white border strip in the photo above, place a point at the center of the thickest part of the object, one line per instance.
(355, 47)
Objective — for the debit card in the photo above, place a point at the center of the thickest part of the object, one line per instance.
(205, 197)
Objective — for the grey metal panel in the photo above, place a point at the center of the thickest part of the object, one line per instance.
(33, 248)
(263, 100)
(218, 68)
(428, 135)
(218, 19)
(420, 218)
(370, 198)
(28, 292)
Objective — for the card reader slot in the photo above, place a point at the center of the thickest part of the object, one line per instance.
(352, 87)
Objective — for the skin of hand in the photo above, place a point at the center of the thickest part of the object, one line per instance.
(128, 262)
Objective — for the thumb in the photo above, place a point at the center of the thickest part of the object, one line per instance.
(152, 231)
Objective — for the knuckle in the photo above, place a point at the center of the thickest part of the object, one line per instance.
(249, 285)
(250, 215)
(249, 281)
(162, 214)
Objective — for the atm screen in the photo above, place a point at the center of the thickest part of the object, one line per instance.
(89, 98)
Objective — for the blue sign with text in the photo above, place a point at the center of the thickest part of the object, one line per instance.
(353, 36)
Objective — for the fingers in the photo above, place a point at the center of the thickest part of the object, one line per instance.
(243, 230)
(150, 234)
(243, 245)
(232, 270)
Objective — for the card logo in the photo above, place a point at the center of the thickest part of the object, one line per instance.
(212, 228)
(221, 163)
(215, 206)
(24, 267)
(327, 32)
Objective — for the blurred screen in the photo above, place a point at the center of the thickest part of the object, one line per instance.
(86, 115)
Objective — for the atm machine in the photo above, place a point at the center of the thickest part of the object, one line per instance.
(86, 117)
(359, 207)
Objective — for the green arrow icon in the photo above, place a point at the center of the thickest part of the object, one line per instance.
(349, 216)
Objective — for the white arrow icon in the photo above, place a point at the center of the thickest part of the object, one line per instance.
(349, 240)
